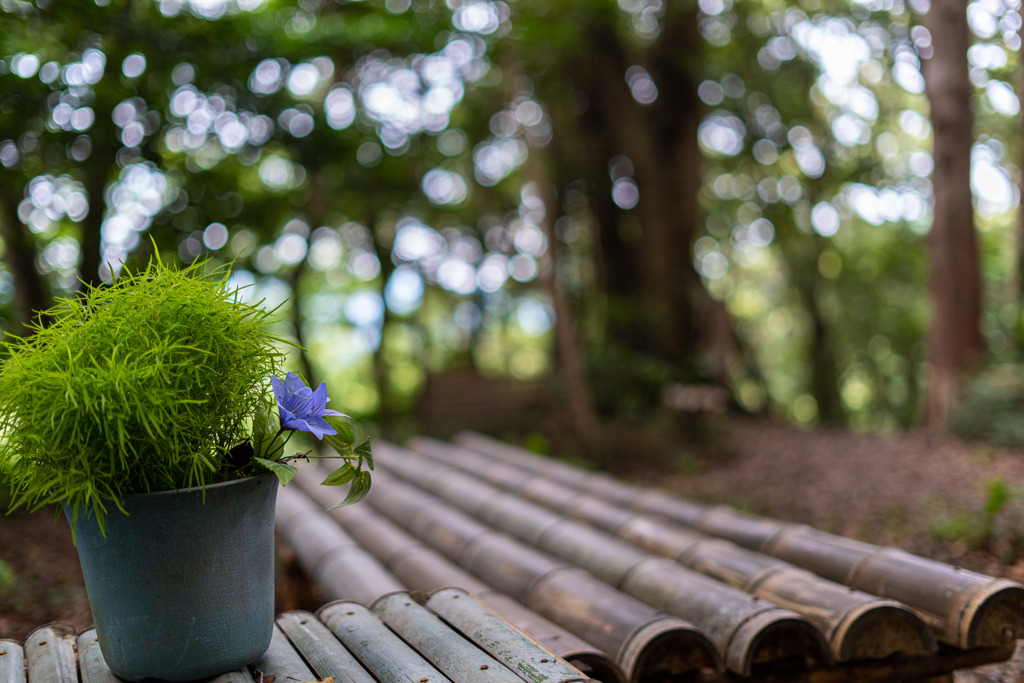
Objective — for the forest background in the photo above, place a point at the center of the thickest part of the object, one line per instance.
(810, 204)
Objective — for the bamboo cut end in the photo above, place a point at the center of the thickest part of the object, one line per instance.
(878, 630)
(993, 616)
(668, 649)
(773, 641)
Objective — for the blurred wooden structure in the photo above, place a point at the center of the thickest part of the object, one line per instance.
(461, 399)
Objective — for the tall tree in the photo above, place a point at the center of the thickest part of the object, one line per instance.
(955, 340)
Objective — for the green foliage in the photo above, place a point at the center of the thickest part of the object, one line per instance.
(8, 579)
(978, 528)
(139, 386)
(991, 408)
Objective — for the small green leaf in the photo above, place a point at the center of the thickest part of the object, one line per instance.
(340, 476)
(284, 471)
(363, 451)
(360, 487)
(345, 433)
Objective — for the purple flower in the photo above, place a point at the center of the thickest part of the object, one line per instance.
(299, 407)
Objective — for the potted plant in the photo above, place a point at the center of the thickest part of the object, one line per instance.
(146, 409)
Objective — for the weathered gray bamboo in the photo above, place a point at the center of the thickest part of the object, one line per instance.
(318, 646)
(12, 661)
(856, 625)
(746, 632)
(282, 661)
(50, 654)
(457, 658)
(425, 570)
(966, 609)
(382, 652)
(496, 636)
(91, 665)
(645, 643)
(340, 568)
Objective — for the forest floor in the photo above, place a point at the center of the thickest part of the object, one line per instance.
(924, 494)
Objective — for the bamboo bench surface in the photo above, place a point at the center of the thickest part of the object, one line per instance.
(476, 561)
(633, 584)
(395, 640)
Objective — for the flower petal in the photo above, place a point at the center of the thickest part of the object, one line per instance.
(333, 413)
(320, 399)
(318, 427)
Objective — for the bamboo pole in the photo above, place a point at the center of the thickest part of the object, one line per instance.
(282, 661)
(643, 642)
(611, 560)
(424, 570)
(50, 654)
(496, 636)
(12, 661)
(382, 652)
(338, 566)
(446, 649)
(318, 646)
(847, 619)
(965, 609)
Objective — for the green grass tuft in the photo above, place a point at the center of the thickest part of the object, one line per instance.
(140, 386)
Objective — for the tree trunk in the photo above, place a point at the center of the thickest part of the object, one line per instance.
(955, 339)
(570, 366)
(31, 294)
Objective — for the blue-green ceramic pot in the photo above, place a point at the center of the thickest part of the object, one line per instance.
(183, 586)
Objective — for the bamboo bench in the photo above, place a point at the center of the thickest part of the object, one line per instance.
(632, 584)
(451, 637)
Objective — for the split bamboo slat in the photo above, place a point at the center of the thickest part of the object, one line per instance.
(12, 661)
(646, 644)
(424, 570)
(318, 646)
(282, 661)
(386, 655)
(456, 657)
(92, 667)
(856, 625)
(50, 654)
(966, 610)
(496, 636)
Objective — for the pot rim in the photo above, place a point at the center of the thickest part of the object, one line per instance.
(199, 489)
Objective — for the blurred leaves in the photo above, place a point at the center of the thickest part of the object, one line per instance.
(728, 192)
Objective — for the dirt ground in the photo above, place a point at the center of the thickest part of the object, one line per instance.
(921, 493)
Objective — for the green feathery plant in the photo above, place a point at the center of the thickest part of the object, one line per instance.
(158, 381)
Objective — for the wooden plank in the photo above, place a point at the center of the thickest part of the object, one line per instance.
(281, 661)
(324, 653)
(444, 647)
(380, 651)
(519, 652)
(12, 662)
(50, 654)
